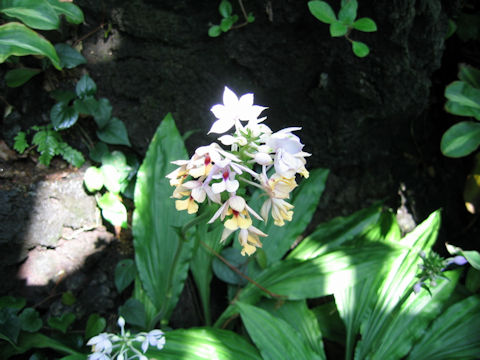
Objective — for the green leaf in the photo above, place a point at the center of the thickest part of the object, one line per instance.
(18, 77)
(98, 151)
(71, 155)
(125, 273)
(470, 75)
(273, 336)
(300, 318)
(360, 49)
(336, 232)
(68, 298)
(225, 8)
(348, 12)
(113, 209)
(61, 323)
(115, 171)
(63, 116)
(162, 258)
(133, 312)
(114, 133)
(72, 12)
(47, 142)
(373, 305)
(95, 325)
(201, 263)
(464, 94)
(10, 325)
(453, 335)
(37, 14)
(226, 23)
(250, 18)
(85, 87)
(472, 281)
(16, 39)
(204, 344)
(69, 57)
(323, 275)
(64, 96)
(330, 322)
(456, 108)
(102, 113)
(365, 24)
(12, 302)
(30, 320)
(93, 179)
(214, 31)
(112, 178)
(20, 143)
(87, 106)
(322, 11)
(473, 258)
(461, 139)
(224, 273)
(338, 29)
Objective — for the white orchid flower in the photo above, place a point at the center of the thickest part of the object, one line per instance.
(233, 110)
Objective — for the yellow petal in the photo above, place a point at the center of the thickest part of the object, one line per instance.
(192, 206)
(243, 223)
(181, 204)
(231, 224)
(248, 249)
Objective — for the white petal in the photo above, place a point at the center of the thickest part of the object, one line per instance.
(219, 111)
(230, 100)
(145, 346)
(219, 187)
(251, 211)
(263, 158)
(245, 101)
(231, 185)
(217, 213)
(237, 203)
(226, 140)
(222, 125)
(226, 233)
(199, 194)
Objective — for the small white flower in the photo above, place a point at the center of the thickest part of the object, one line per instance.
(233, 110)
(98, 356)
(153, 338)
(101, 343)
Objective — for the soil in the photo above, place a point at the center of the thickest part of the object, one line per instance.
(375, 122)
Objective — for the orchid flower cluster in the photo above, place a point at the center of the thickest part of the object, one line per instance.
(106, 346)
(257, 156)
(432, 268)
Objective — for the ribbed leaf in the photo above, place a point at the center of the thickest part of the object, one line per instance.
(37, 14)
(17, 39)
(274, 337)
(389, 286)
(204, 344)
(301, 279)
(461, 139)
(412, 319)
(335, 232)
(72, 12)
(463, 93)
(161, 256)
(453, 335)
(300, 318)
(201, 263)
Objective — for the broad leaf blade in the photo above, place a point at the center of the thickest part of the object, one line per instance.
(18, 77)
(322, 11)
(161, 256)
(273, 336)
(300, 318)
(37, 14)
(17, 39)
(114, 133)
(72, 12)
(204, 344)
(461, 139)
(453, 335)
(463, 93)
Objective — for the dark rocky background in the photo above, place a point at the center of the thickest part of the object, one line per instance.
(375, 122)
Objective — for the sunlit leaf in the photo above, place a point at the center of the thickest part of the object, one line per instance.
(273, 336)
(113, 209)
(93, 179)
(204, 344)
(37, 14)
(162, 257)
(17, 39)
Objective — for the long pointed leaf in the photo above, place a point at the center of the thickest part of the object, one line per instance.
(161, 257)
(301, 318)
(453, 335)
(273, 336)
(17, 39)
(204, 344)
(37, 14)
